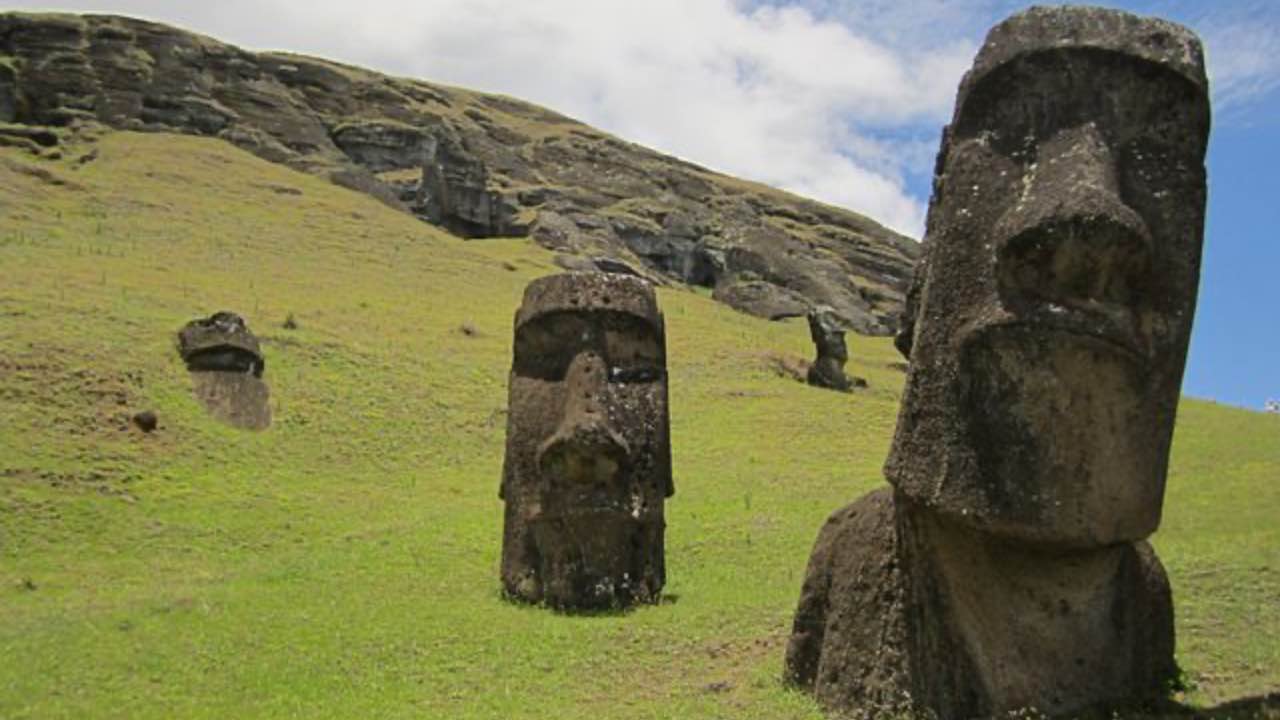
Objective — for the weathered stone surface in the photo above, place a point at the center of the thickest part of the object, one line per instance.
(226, 364)
(1049, 324)
(146, 420)
(762, 299)
(902, 611)
(588, 460)
(578, 263)
(8, 101)
(827, 369)
(220, 342)
(237, 399)
(478, 165)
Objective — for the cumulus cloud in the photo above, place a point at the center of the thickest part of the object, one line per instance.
(1243, 54)
(840, 100)
(772, 93)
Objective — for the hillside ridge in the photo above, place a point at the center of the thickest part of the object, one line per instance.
(478, 165)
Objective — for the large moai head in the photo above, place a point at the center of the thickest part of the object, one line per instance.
(1051, 313)
(588, 461)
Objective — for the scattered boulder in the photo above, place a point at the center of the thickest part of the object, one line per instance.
(614, 265)
(762, 299)
(1007, 567)
(577, 263)
(588, 460)
(146, 420)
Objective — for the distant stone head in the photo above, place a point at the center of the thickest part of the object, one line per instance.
(226, 364)
(827, 332)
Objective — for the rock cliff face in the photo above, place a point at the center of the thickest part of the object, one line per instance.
(478, 165)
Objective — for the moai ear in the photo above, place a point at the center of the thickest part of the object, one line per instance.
(905, 337)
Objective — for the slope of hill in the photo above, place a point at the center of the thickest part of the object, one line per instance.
(479, 165)
(344, 562)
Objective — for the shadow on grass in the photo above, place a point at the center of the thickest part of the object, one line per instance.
(1258, 707)
(605, 612)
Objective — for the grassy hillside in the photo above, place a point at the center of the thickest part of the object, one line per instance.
(344, 562)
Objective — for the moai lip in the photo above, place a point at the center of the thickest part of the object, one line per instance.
(226, 365)
(1047, 331)
(588, 459)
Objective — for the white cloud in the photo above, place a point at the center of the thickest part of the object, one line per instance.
(764, 92)
(1244, 60)
(837, 99)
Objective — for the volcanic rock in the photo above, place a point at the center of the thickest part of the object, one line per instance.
(477, 165)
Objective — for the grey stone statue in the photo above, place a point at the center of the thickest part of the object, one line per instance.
(226, 365)
(1047, 331)
(827, 332)
(588, 460)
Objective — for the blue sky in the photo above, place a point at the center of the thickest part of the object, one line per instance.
(1235, 347)
(841, 100)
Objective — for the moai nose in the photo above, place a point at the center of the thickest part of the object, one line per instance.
(584, 448)
(1070, 238)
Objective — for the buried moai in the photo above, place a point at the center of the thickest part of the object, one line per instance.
(1047, 330)
(226, 365)
(827, 369)
(588, 460)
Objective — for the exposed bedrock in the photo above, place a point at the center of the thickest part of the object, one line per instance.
(478, 165)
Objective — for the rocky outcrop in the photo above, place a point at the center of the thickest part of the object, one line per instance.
(478, 165)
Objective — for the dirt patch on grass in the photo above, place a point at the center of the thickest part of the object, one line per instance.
(54, 391)
(104, 482)
(727, 672)
(48, 177)
(787, 366)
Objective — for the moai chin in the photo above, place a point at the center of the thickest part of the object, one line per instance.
(588, 460)
(1047, 330)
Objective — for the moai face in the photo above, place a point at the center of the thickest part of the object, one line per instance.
(1054, 305)
(588, 461)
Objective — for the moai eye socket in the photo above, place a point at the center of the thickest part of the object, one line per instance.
(633, 350)
(546, 345)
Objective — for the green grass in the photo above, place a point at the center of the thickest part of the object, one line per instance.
(344, 562)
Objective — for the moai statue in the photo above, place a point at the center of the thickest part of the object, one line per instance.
(226, 365)
(588, 461)
(1007, 566)
(827, 369)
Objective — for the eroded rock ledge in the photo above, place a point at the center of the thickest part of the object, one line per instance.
(478, 165)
